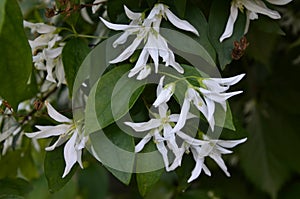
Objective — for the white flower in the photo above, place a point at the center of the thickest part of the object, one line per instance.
(39, 27)
(214, 149)
(147, 30)
(213, 92)
(254, 7)
(47, 50)
(161, 123)
(165, 94)
(67, 132)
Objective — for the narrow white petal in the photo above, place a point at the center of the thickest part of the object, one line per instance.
(162, 149)
(178, 159)
(60, 72)
(181, 24)
(48, 131)
(206, 170)
(183, 116)
(197, 170)
(228, 81)
(190, 140)
(248, 13)
(159, 87)
(142, 143)
(140, 64)
(165, 94)
(152, 46)
(218, 97)
(144, 73)
(116, 26)
(218, 159)
(230, 23)
(279, 2)
(56, 115)
(231, 143)
(252, 6)
(122, 39)
(61, 139)
(213, 85)
(132, 15)
(174, 64)
(144, 126)
(210, 112)
(70, 154)
(52, 53)
(127, 52)
(162, 110)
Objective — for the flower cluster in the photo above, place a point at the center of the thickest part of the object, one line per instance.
(167, 129)
(47, 50)
(68, 132)
(147, 30)
(253, 8)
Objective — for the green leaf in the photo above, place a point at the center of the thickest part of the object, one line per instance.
(54, 166)
(196, 17)
(146, 181)
(8, 165)
(15, 54)
(73, 55)
(14, 188)
(93, 182)
(291, 191)
(195, 194)
(265, 169)
(267, 25)
(28, 168)
(224, 119)
(180, 7)
(112, 100)
(188, 48)
(115, 149)
(219, 14)
(116, 8)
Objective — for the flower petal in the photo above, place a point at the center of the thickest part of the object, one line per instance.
(128, 51)
(116, 26)
(279, 2)
(56, 115)
(218, 159)
(230, 143)
(48, 131)
(198, 168)
(70, 154)
(228, 81)
(230, 23)
(142, 143)
(262, 9)
(183, 116)
(188, 139)
(181, 24)
(144, 126)
(61, 139)
(132, 15)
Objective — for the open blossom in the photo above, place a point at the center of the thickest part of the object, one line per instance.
(147, 30)
(160, 129)
(67, 132)
(213, 149)
(47, 50)
(211, 91)
(253, 8)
